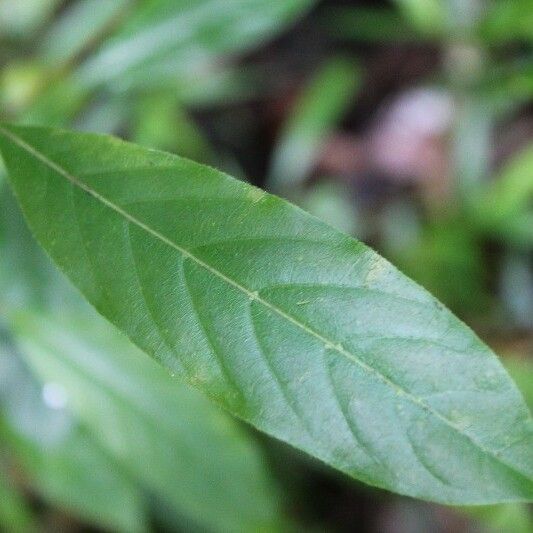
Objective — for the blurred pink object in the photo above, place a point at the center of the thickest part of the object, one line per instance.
(408, 140)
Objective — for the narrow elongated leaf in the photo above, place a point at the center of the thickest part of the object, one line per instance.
(165, 40)
(81, 23)
(320, 107)
(296, 328)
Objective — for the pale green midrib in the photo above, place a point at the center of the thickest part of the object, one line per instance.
(254, 296)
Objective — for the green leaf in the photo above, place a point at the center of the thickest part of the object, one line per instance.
(503, 207)
(332, 202)
(427, 16)
(15, 515)
(515, 517)
(300, 330)
(508, 21)
(168, 437)
(165, 40)
(78, 26)
(521, 371)
(162, 123)
(21, 19)
(512, 190)
(317, 111)
(77, 475)
(59, 458)
(509, 517)
(369, 24)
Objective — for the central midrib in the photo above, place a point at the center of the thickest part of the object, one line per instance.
(252, 295)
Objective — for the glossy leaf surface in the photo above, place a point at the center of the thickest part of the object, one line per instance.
(296, 328)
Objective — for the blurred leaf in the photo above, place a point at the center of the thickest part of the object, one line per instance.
(77, 475)
(165, 40)
(516, 289)
(401, 232)
(515, 518)
(224, 86)
(64, 465)
(275, 315)
(331, 201)
(55, 105)
(19, 83)
(508, 20)
(106, 113)
(508, 84)
(369, 24)
(428, 16)
(447, 260)
(474, 121)
(20, 18)
(162, 123)
(316, 113)
(512, 189)
(78, 26)
(15, 515)
(517, 229)
(521, 369)
(167, 436)
(503, 207)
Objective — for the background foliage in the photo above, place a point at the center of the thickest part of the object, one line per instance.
(407, 124)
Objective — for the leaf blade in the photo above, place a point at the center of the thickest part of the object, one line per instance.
(368, 348)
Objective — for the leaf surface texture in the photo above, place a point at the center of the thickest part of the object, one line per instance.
(300, 330)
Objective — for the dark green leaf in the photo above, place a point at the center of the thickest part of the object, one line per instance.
(369, 24)
(296, 328)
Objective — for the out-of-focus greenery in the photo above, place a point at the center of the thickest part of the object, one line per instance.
(275, 91)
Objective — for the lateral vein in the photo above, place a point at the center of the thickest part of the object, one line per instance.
(252, 295)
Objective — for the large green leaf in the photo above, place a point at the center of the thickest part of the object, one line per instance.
(290, 325)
